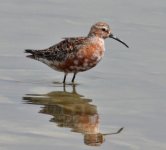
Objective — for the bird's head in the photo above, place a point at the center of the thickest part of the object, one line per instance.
(102, 30)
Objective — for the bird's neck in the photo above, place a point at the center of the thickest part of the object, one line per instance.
(96, 39)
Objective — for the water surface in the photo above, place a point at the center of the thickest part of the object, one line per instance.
(127, 88)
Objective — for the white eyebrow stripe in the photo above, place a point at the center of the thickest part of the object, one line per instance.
(102, 27)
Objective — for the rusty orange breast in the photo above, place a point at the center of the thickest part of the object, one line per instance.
(84, 59)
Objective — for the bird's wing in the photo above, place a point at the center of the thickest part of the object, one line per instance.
(59, 52)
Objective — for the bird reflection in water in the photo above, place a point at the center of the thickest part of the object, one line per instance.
(71, 110)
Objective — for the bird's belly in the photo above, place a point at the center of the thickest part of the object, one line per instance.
(77, 63)
(82, 65)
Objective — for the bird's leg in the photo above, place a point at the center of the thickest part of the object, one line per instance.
(64, 87)
(64, 79)
(73, 77)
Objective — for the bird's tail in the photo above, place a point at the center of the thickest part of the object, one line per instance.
(29, 51)
(32, 52)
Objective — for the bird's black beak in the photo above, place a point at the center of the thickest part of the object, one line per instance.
(117, 39)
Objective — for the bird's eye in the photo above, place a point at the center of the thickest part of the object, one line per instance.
(104, 29)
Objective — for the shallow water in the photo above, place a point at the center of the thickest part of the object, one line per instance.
(127, 88)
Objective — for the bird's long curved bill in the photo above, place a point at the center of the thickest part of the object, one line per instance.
(114, 132)
(117, 39)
